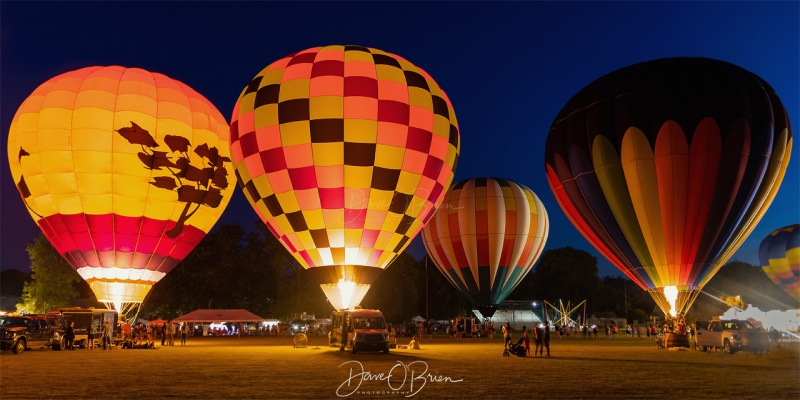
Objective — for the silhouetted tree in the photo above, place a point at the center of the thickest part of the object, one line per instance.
(396, 291)
(567, 274)
(52, 281)
(617, 293)
(234, 269)
(445, 301)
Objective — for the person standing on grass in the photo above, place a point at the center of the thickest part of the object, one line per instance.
(151, 336)
(126, 330)
(538, 339)
(184, 332)
(507, 334)
(546, 339)
(69, 335)
(107, 334)
(90, 336)
(170, 333)
(526, 340)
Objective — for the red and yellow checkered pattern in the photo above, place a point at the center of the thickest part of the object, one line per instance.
(344, 152)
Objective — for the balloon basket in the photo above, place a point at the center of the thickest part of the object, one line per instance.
(672, 339)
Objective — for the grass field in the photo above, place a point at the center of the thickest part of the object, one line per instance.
(266, 367)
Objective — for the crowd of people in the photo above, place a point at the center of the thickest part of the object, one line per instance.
(103, 331)
(140, 335)
(539, 334)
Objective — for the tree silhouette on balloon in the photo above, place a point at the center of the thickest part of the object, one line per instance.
(22, 186)
(201, 186)
(209, 180)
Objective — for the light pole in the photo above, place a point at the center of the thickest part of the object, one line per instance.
(625, 293)
(426, 287)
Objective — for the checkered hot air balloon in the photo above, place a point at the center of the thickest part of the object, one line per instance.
(124, 170)
(779, 255)
(485, 237)
(344, 152)
(666, 167)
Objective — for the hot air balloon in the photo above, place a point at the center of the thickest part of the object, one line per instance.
(485, 237)
(779, 255)
(344, 152)
(666, 166)
(124, 170)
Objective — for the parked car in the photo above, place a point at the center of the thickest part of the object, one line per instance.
(731, 335)
(298, 326)
(22, 332)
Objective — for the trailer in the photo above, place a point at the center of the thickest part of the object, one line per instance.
(83, 317)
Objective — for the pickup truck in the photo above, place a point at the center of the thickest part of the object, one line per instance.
(731, 335)
(21, 332)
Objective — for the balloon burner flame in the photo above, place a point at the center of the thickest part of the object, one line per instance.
(344, 294)
(671, 293)
(346, 290)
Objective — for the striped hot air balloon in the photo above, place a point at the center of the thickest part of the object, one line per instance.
(124, 170)
(344, 152)
(666, 166)
(485, 237)
(779, 255)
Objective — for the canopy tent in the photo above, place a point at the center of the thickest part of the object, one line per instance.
(157, 322)
(217, 316)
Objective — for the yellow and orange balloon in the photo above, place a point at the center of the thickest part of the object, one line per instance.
(344, 152)
(124, 170)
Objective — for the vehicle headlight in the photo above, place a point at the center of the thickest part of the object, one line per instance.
(736, 337)
(385, 335)
(6, 335)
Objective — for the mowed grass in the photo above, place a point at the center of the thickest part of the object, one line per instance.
(266, 367)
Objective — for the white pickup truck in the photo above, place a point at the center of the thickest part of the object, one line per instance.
(731, 335)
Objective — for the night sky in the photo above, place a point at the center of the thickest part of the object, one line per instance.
(508, 69)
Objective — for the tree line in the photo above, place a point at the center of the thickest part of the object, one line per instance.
(236, 268)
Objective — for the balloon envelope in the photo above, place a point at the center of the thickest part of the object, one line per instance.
(666, 166)
(124, 170)
(485, 238)
(344, 152)
(779, 255)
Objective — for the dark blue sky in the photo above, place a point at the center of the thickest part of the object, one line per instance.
(507, 67)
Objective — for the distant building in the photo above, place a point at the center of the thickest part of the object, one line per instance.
(606, 318)
(517, 313)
